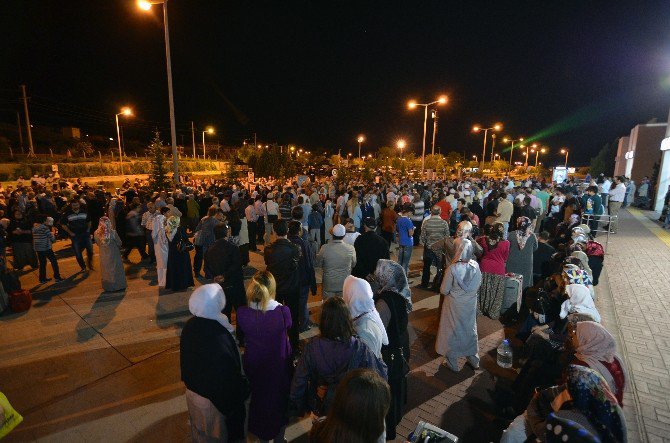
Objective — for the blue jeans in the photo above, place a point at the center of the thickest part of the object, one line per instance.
(404, 255)
(79, 243)
(304, 310)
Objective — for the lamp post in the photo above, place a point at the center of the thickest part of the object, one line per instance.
(360, 139)
(566, 152)
(477, 128)
(411, 105)
(208, 130)
(401, 145)
(475, 157)
(128, 113)
(534, 146)
(146, 6)
(537, 154)
(511, 152)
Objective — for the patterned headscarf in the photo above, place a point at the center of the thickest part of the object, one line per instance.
(575, 275)
(464, 229)
(390, 276)
(524, 229)
(592, 397)
(561, 429)
(171, 226)
(104, 230)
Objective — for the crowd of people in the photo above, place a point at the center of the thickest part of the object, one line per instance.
(515, 250)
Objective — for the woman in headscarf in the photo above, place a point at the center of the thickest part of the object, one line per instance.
(393, 302)
(179, 271)
(595, 348)
(574, 274)
(492, 264)
(580, 302)
(357, 294)
(584, 399)
(211, 369)
(264, 323)
(522, 245)
(457, 333)
(113, 275)
(20, 237)
(161, 246)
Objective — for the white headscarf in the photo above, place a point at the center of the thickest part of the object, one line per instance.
(579, 301)
(357, 294)
(208, 301)
(465, 270)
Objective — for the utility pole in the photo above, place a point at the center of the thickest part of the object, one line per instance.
(434, 129)
(31, 151)
(18, 124)
(255, 142)
(193, 137)
(493, 146)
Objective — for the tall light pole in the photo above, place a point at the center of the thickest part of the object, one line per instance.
(476, 128)
(566, 152)
(411, 105)
(146, 6)
(511, 152)
(475, 157)
(127, 112)
(534, 146)
(360, 139)
(208, 130)
(493, 145)
(401, 145)
(432, 151)
(537, 154)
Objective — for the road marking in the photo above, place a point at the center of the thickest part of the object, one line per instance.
(657, 230)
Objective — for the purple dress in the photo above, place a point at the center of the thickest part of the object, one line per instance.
(268, 365)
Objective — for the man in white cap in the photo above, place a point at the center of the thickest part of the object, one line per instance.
(271, 216)
(336, 259)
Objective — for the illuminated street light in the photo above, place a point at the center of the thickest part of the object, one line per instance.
(475, 157)
(208, 130)
(126, 112)
(476, 128)
(145, 5)
(401, 145)
(360, 139)
(413, 104)
(511, 152)
(537, 154)
(534, 146)
(566, 152)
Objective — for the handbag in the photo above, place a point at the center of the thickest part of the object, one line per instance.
(184, 245)
(395, 360)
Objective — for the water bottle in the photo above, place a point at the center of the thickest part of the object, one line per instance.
(505, 354)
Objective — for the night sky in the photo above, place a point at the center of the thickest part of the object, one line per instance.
(317, 73)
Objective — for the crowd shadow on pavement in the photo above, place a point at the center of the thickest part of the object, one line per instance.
(101, 314)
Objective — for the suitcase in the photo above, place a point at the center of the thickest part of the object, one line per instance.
(511, 296)
(20, 301)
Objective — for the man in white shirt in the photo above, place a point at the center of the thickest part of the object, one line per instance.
(225, 207)
(616, 197)
(504, 212)
(271, 216)
(605, 190)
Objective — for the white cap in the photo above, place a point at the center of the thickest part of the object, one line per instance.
(339, 230)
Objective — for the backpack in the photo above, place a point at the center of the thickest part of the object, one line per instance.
(595, 249)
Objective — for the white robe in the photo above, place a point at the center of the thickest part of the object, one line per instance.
(161, 248)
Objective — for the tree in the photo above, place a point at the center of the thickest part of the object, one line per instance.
(158, 179)
(83, 148)
(603, 163)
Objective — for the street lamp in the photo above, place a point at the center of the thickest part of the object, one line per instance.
(511, 152)
(475, 157)
(566, 152)
(146, 6)
(360, 139)
(534, 146)
(126, 111)
(476, 128)
(413, 104)
(401, 145)
(208, 130)
(537, 154)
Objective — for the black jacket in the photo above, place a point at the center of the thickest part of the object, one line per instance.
(370, 247)
(211, 367)
(223, 258)
(281, 259)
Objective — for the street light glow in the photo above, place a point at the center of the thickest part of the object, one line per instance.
(505, 140)
(443, 99)
(476, 128)
(144, 5)
(361, 139)
(563, 151)
(210, 130)
(126, 111)
(401, 144)
(497, 126)
(411, 104)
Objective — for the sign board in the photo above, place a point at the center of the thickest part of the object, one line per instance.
(334, 172)
(560, 174)
(54, 168)
(665, 144)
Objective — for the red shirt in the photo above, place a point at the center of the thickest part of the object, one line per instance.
(445, 207)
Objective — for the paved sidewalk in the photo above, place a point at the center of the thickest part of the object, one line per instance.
(637, 309)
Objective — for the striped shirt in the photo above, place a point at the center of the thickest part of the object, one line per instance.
(433, 229)
(43, 238)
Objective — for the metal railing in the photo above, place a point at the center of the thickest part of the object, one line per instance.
(601, 224)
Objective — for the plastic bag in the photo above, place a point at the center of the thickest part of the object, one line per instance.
(10, 418)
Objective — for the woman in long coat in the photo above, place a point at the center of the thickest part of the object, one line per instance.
(161, 245)
(179, 271)
(457, 333)
(113, 275)
(522, 245)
